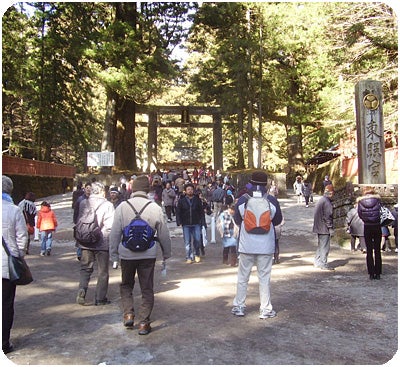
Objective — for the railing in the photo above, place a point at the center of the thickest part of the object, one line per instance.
(30, 167)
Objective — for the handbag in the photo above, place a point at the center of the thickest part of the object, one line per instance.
(386, 216)
(19, 271)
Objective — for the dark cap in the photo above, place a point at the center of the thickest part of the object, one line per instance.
(259, 178)
(141, 183)
(114, 189)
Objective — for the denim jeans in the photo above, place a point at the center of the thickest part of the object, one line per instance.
(189, 232)
(47, 240)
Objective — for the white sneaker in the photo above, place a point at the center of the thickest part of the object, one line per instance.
(238, 310)
(264, 314)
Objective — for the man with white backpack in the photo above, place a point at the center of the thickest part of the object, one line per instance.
(256, 214)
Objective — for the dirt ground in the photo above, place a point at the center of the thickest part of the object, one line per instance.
(323, 317)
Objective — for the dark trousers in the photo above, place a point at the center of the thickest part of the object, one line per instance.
(7, 311)
(88, 259)
(231, 250)
(373, 236)
(168, 211)
(145, 271)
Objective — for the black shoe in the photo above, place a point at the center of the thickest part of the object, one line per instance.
(377, 277)
(103, 302)
(48, 252)
(8, 348)
(371, 277)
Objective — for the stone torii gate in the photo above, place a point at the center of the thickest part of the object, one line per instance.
(185, 112)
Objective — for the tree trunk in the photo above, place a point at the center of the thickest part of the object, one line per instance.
(250, 145)
(294, 138)
(240, 162)
(125, 145)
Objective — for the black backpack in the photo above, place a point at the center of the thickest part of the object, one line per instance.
(138, 235)
(87, 231)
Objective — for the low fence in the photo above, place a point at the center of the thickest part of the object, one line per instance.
(30, 167)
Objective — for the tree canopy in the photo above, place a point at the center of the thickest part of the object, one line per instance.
(283, 74)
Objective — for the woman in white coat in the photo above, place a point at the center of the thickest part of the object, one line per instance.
(15, 237)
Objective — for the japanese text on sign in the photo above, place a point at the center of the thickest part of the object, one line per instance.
(100, 159)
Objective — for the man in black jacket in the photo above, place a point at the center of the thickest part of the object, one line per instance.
(190, 214)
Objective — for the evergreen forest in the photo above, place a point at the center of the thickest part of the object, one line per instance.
(283, 74)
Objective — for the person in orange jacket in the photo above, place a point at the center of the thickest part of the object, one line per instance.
(47, 224)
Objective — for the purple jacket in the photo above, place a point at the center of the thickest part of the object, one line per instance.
(369, 209)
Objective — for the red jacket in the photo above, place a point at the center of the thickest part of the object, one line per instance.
(47, 220)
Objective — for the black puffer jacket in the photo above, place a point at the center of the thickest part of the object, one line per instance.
(187, 214)
(369, 209)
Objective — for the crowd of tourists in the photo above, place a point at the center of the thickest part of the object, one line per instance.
(126, 222)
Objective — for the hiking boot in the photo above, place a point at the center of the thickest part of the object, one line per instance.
(238, 310)
(189, 261)
(197, 259)
(80, 298)
(144, 328)
(129, 320)
(264, 314)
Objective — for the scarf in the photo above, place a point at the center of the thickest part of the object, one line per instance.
(7, 197)
(227, 224)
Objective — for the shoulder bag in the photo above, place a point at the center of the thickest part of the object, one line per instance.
(20, 274)
(386, 216)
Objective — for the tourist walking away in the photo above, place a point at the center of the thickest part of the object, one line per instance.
(327, 181)
(217, 198)
(369, 211)
(135, 260)
(77, 193)
(298, 189)
(356, 230)
(307, 192)
(278, 234)
(28, 207)
(92, 230)
(190, 215)
(323, 227)
(168, 198)
(15, 237)
(229, 234)
(256, 214)
(64, 184)
(395, 226)
(385, 239)
(86, 193)
(47, 224)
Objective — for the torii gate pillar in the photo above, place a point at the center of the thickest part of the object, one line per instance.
(217, 141)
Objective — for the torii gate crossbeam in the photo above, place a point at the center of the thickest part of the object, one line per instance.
(185, 112)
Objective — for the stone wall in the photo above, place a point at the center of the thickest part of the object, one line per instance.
(40, 186)
(345, 198)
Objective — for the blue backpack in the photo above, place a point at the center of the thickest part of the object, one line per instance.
(138, 235)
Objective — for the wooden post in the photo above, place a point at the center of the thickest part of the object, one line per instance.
(217, 141)
(152, 140)
(370, 132)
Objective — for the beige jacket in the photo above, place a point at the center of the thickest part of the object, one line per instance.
(153, 214)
